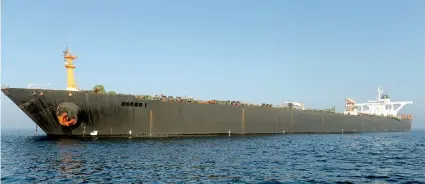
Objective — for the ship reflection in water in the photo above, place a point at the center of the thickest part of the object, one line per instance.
(69, 159)
(392, 157)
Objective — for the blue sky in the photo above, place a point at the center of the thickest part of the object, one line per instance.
(316, 52)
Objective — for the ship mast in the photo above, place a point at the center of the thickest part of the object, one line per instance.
(71, 85)
(379, 94)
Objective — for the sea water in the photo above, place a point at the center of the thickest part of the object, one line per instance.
(389, 157)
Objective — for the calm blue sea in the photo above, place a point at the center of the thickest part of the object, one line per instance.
(355, 158)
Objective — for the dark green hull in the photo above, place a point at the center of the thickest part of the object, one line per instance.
(109, 115)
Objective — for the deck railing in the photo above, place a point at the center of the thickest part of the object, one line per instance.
(39, 86)
(4, 86)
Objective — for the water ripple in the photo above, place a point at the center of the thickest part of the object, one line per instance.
(356, 158)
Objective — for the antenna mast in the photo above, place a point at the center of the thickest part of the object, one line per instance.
(379, 94)
(71, 85)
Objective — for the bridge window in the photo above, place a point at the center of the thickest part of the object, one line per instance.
(396, 106)
(136, 104)
(388, 107)
(365, 107)
(359, 108)
(385, 97)
(122, 103)
(127, 103)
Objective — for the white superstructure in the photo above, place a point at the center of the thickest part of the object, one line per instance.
(382, 106)
(296, 105)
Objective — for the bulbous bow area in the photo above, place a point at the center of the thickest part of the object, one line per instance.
(67, 114)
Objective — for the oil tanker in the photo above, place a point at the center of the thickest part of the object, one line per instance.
(77, 113)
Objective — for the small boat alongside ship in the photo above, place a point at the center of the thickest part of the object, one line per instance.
(77, 113)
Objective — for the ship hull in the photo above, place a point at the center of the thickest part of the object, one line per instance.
(126, 115)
